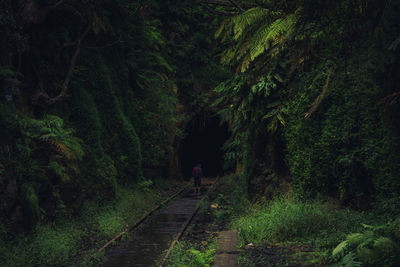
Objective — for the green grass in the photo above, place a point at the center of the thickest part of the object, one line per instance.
(288, 219)
(305, 232)
(49, 246)
(53, 245)
(231, 197)
(308, 230)
(129, 205)
(188, 254)
(69, 241)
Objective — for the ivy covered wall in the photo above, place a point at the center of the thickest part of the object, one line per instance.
(87, 103)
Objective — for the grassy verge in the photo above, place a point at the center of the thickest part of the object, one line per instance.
(288, 219)
(287, 231)
(68, 242)
(297, 232)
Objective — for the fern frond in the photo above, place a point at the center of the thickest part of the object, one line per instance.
(245, 63)
(356, 239)
(228, 55)
(384, 244)
(62, 149)
(248, 19)
(270, 33)
(226, 26)
(100, 23)
(340, 249)
(59, 170)
(393, 46)
(349, 260)
(242, 49)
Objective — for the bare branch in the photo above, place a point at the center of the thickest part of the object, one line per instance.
(236, 5)
(219, 12)
(390, 99)
(72, 64)
(69, 44)
(104, 46)
(59, 3)
(242, 7)
(64, 87)
(40, 94)
(217, 2)
(321, 96)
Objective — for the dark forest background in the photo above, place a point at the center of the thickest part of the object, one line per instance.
(100, 95)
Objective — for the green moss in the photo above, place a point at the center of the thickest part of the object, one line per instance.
(33, 202)
(64, 242)
(54, 245)
(338, 148)
(120, 139)
(98, 168)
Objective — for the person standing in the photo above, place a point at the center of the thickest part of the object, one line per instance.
(197, 173)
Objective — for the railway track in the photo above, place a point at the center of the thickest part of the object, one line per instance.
(155, 233)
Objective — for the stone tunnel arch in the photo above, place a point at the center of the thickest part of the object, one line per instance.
(205, 136)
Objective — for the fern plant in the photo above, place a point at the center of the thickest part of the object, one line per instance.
(254, 32)
(202, 259)
(51, 130)
(375, 246)
(349, 260)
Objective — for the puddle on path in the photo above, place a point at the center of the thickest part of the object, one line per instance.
(146, 246)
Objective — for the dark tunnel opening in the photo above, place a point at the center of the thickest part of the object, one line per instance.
(203, 144)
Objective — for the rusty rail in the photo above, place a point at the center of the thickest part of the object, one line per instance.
(136, 223)
(180, 233)
(186, 225)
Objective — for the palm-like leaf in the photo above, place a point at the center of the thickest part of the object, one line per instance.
(253, 32)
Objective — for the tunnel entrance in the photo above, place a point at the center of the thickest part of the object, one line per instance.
(203, 144)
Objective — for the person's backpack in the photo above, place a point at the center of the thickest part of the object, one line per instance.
(196, 172)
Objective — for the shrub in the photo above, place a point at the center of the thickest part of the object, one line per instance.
(54, 246)
(184, 254)
(110, 223)
(231, 197)
(375, 246)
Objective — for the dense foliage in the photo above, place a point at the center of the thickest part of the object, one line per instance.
(96, 96)
(87, 103)
(316, 81)
(313, 102)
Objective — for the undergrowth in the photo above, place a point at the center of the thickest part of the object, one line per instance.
(307, 232)
(69, 242)
(230, 199)
(373, 246)
(188, 254)
(341, 237)
(288, 219)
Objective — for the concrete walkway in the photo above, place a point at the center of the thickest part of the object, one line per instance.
(226, 249)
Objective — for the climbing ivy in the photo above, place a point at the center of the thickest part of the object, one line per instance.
(308, 87)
